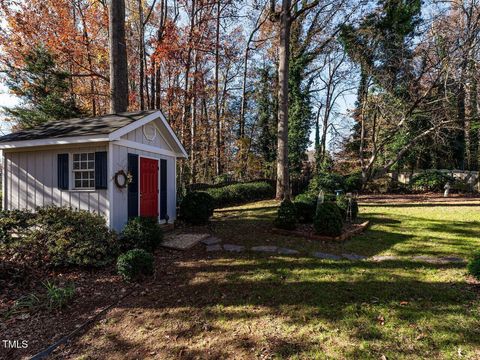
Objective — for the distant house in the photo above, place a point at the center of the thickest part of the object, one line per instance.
(120, 165)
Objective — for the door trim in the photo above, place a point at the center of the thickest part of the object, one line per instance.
(158, 182)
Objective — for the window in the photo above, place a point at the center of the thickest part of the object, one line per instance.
(84, 171)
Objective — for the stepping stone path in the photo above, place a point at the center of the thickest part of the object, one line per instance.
(211, 241)
(214, 247)
(269, 249)
(214, 244)
(287, 251)
(441, 260)
(354, 257)
(320, 255)
(233, 248)
(384, 257)
(183, 241)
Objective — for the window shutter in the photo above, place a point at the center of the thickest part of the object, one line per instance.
(133, 186)
(62, 171)
(163, 189)
(101, 178)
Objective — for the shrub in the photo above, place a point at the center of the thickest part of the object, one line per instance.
(462, 186)
(286, 216)
(197, 207)
(328, 219)
(13, 222)
(142, 233)
(431, 180)
(241, 193)
(353, 182)
(305, 205)
(135, 264)
(328, 182)
(69, 237)
(342, 203)
(474, 265)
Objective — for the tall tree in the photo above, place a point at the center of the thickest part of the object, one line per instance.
(118, 58)
(43, 88)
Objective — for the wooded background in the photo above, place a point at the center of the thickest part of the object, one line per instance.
(245, 83)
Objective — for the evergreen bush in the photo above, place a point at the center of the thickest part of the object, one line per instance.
(65, 237)
(305, 205)
(241, 193)
(328, 219)
(474, 265)
(135, 264)
(142, 233)
(286, 216)
(197, 207)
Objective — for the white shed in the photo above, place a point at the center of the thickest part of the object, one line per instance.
(118, 165)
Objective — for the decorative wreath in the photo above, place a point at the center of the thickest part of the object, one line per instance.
(122, 179)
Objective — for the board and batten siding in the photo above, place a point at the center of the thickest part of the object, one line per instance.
(120, 196)
(31, 181)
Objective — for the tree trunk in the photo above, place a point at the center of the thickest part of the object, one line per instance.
(283, 181)
(118, 58)
(241, 130)
(141, 55)
(218, 169)
(193, 124)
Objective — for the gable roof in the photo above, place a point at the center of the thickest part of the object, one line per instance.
(99, 125)
(95, 129)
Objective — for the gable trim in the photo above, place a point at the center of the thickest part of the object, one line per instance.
(139, 123)
(133, 126)
(139, 146)
(53, 141)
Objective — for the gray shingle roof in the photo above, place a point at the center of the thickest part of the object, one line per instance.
(77, 127)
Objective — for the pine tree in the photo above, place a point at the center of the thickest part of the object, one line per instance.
(43, 89)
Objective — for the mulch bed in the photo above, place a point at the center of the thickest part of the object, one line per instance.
(307, 231)
(94, 290)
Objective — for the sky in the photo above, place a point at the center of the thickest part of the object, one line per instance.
(6, 100)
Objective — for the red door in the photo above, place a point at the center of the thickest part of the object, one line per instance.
(148, 187)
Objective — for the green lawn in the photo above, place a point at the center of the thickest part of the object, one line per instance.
(257, 306)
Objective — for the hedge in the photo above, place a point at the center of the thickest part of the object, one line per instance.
(237, 194)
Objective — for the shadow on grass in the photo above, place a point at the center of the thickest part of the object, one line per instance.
(415, 205)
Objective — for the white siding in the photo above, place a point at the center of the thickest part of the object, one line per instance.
(31, 181)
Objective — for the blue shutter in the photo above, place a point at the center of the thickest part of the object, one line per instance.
(133, 186)
(163, 189)
(62, 171)
(101, 178)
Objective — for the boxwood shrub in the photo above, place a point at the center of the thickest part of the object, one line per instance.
(237, 194)
(305, 205)
(135, 264)
(328, 219)
(474, 265)
(197, 207)
(142, 233)
(286, 216)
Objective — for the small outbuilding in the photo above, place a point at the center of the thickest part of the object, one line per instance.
(118, 165)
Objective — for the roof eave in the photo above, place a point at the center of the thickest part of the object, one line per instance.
(53, 141)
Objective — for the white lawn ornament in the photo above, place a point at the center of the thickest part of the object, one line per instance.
(321, 197)
(447, 189)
